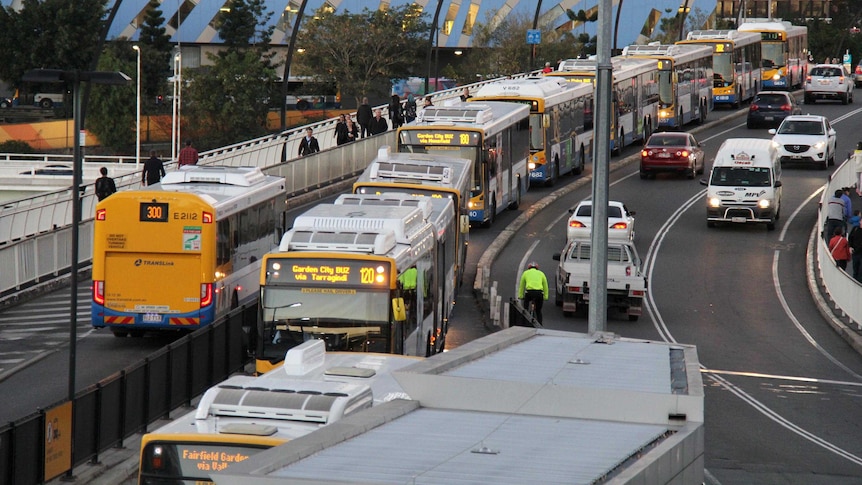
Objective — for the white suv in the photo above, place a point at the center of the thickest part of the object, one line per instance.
(808, 139)
(830, 81)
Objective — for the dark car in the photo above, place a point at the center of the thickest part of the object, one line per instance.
(677, 152)
(769, 108)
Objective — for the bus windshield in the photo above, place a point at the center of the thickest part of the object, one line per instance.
(665, 89)
(723, 69)
(536, 133)
(773, 55)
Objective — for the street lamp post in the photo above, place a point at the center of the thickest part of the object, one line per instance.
(138, 108)
(75, 77)
(176, 105)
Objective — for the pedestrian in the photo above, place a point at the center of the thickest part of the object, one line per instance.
(854, 240)
(309, 144)
(104, 185)
(547, 68)
(427, 102)
(378, 124)
(834, 214)
(363, 117)
(533, 288)
(848, 206)
(410, 109)
(396, 116)
(352, 130)
(341, 133)
(465, 94)
(188, 155)
(857, 167)
(839, 248)
(154, 170)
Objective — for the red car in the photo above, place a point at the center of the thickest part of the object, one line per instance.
(677, 152)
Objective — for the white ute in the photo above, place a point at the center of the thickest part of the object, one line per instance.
(626, 282)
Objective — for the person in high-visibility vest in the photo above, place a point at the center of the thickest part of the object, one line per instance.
(533, 288)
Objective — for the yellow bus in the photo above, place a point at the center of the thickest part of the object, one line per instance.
(784, 48)
(561, 136)
(368, 278)
(735, 64)
(245, 415)
(179, 254)
(684, 80)
(494, 135)
(634, 96)
(438, 176)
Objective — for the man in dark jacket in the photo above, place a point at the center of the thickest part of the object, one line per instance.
(855, 240)
(378, 124)
(309, 144)
(363, 116)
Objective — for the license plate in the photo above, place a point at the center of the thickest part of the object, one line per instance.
(663, 155)
(768, 118)
(825, 82)
(152, 317)
(737, 219)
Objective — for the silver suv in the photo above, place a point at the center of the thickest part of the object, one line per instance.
(828, 81)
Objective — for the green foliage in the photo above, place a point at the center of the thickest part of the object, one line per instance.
(156, 49)
(16, 146)
(833, 39)
(362, 52)
(111, 109)
(55, 34)
(244, 25)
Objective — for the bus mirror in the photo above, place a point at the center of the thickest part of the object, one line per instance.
(398, 310)
(465, 223)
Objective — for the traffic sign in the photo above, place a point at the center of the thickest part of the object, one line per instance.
(534, 36)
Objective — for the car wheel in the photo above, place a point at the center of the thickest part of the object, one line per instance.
(770, 226)
(825, 164)
(644, 175)
(844, 98)
(46, 103)
(693, 172)
(750, 125)
(710, 223)
(831, 159)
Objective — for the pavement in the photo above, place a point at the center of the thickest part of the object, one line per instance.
(470, 321)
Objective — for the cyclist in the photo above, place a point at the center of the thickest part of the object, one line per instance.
(533, 288)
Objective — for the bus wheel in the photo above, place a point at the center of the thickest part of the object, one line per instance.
(580, 168)
(234, 300)
(120, 333)
(517, 200)
(703, 113)
(647, 129)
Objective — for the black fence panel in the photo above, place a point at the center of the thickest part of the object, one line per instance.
(86, 426)
(179, 372)
(135, 410)
(110, 411)
(218, 352)
(519, 316)
(158, 384)
(237, 349)
(199, 369)
(6, 448)
(27, 459)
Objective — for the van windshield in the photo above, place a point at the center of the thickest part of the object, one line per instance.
(740, 177)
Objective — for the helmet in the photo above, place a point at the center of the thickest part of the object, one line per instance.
(533, 264)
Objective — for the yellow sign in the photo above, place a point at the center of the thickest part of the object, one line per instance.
(58, 440)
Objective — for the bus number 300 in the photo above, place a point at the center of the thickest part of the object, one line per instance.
(155, 212)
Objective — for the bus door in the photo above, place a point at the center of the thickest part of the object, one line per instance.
(494, 175)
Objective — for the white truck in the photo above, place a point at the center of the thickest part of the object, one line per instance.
(626, 283)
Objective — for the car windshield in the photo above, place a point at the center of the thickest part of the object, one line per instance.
(765, 99)
(797, 127)
(740, 177)
(667, 141)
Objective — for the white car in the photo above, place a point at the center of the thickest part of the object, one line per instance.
(621, 221)
(806, 139)
(828, 81)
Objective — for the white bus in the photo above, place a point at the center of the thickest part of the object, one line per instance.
(735, 63)
(561, 136)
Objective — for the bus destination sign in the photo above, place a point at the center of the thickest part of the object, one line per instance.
(440, 138)
(153, 212)
(327, 272)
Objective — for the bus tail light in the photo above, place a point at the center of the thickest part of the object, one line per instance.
(206, 294)
(207, 218)
(99, 292)
(100, 214)
(157, 461)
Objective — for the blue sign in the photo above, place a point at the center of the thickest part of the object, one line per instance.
(534, 36)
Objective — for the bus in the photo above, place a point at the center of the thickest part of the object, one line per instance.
(493, 134)
(735, 64)
(362, 279)
(307, 92)
(560, 136)
(245, 415)
(784, 56)
(438, 176)
(634, 96)
(180, 254)
(684, 81)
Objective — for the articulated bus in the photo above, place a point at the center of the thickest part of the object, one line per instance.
(735, 63)
(362, 279)
(784, 49)
(685, 80)
(561, 138)
(437, 176)
(494, 135)
(179, 254)
(245, 415)
(635, 96)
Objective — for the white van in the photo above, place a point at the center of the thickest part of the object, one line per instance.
(744, 184)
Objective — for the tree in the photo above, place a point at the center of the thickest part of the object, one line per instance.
(156, 50)
(112, 116)
(362, 52)
(229, 101)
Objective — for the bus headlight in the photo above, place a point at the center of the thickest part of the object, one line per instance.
(531, 165)
(763, 203)
(714, 202)
(776, 76)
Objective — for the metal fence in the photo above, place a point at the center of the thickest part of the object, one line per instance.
(125, 403)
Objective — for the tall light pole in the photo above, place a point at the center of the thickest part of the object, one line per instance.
(138, 106)
(175, 105)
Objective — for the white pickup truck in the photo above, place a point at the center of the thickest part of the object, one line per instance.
(627, 284)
